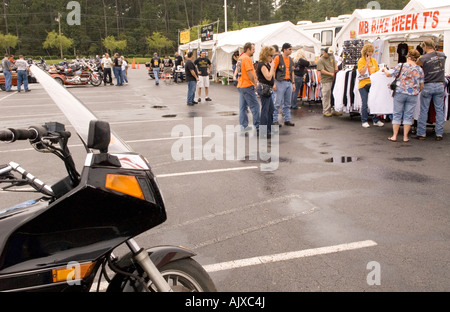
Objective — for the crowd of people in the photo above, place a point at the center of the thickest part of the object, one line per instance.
(117, 66)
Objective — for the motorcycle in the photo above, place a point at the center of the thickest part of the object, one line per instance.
(65, 238)
(75, 74)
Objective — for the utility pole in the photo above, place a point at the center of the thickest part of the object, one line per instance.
(60, 38)
(4, 14)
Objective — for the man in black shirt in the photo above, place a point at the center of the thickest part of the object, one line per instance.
(204, 66)
(155, 64)
(191, 79)
(178, 62)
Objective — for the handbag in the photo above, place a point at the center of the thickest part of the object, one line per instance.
(266, 90)
(393, 85)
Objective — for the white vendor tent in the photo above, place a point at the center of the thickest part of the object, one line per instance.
(265, 35)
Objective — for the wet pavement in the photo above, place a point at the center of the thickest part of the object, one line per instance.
(336, 183)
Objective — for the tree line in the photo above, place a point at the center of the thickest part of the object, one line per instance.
(141, 27)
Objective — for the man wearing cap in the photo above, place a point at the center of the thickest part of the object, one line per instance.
(155, 64)
(327, 67)
(284, 84)
(433, 64)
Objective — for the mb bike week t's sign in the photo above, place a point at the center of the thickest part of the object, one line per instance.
(409, 22)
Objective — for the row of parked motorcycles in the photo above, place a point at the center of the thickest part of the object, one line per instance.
(75, 73)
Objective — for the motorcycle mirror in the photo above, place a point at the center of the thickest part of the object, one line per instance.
(99, 135)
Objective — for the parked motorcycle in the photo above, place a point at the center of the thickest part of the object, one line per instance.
(61, 240)
(75, 74)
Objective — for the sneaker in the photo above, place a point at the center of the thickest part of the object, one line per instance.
(438, 138)
(378, 123)
(199, 100)
(327, 114)
(208, 99)
(334, 113)
(288, 123)
(194, 102)
(366, 125)
(248, 128)
(190, 104)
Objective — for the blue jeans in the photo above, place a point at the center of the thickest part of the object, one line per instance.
(22, 76)
(247, 98)
(7, 75)
(283, 95)
(176, 74)
(124, 76)
(267, 109)
(156, 73)
(435, 91)
(298, 86)
(192, 86)
(365, 107)
(118, 75)
(404, 105)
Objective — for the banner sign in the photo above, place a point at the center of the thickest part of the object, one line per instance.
(184, 37)
(207, 32)
(406, 22)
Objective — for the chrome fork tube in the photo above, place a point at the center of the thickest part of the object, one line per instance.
(141, 256)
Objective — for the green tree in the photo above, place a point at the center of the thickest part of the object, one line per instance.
(8, 41)
(112, 44)
(54, 40)
(158, 41)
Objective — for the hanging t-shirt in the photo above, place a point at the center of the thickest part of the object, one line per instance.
(378, 52)
(380, 99)
(402, 51)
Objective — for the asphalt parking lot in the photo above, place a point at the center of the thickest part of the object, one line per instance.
(344, 210)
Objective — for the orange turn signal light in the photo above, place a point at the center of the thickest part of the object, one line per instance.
(72, 272)
(124, 184)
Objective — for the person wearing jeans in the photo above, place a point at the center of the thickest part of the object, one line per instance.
(22, 73)
(7, 66)
(191, 78)
(433, 64)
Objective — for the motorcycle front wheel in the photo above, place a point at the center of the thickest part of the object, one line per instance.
(96, 82)
(184, 275)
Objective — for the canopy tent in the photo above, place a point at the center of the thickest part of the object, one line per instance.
(265, 35)
(419, 20)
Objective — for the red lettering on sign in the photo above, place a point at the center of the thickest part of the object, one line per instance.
(408, 22)
(402, 22)
(414, 21)
(435, 19)
(363, 28)
(425, 15)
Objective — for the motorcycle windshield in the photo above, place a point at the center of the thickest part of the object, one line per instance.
(75, 111)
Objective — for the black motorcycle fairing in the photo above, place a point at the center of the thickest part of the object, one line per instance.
(82, 225)
(160, 255)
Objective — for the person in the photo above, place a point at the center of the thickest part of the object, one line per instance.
(117, 68)
(204, 67)
(124, 69)
(191, 78)
(265, 72)
(300, 63)
(234, 59)
(178, 62)
(328, 67)
(247, 83)
(7, 67)
(433, 64)
(367, 65)
(155, 64)
(106, 67)
(167, 66)
(22, 73)
(409, 84)
(284, 84)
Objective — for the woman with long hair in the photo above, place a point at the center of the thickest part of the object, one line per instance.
(266, 72)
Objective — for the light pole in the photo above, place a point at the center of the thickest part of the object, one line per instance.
(225, 7)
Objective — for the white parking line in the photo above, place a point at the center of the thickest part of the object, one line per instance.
(287, 256)
(204, 171)
(7, 96)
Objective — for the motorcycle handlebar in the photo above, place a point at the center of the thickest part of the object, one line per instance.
(11, 135)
